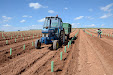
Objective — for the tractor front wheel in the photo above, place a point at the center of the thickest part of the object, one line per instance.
(55, 44)
(37, 44)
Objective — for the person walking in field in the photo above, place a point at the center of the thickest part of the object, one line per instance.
(99, 33)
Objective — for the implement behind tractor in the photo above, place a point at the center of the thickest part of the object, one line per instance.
(54, 32)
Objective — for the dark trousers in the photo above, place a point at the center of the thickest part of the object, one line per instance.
(99, 34)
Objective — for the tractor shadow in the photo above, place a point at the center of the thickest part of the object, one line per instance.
(73, 41)
(66, 43)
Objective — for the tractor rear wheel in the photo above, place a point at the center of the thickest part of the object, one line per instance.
(55, 44)
(62, 37)
(66, 37)
(37, 44)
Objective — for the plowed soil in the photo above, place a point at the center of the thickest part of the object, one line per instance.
(85, 56)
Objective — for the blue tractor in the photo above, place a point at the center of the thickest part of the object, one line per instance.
(52, 33)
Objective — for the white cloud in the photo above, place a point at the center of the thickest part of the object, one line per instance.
(7, 25)
(107, 7)
(90, 10)
(74, 25)
(13, 28)
(27, 16)
(44, 6)
(80, 17)
(92, 25)
(89, 17)
(102, 25)
(51, 11)
(106, 15)
(3, 16)
(65, 8)
(30, 16)
(22, 21)
(41, 20)
(78, 23)
(36, 5)
(6, 19)
(33, 25)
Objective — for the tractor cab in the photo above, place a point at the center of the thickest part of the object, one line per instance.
(52, 22)
(51, 29)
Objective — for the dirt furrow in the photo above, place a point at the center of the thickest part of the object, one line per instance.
(18, 65)
(104, 38)
(16, 51)
(71, 64)
(15, 45)
(39, 63)
(24, 62)
(86, 56)
(88, 62)
(18, 40)
(107, 39)
(58, 67)
(104, 52)
(45, 68)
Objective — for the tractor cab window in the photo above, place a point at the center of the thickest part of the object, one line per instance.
(54, 22)
(46, 23)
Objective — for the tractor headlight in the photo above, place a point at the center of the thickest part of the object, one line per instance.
(42, 35)
(46, 35)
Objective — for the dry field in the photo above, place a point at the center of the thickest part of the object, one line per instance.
(86, 55)
(105, 31)
(7, 38)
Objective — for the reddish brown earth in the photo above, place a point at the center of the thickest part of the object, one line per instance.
(105, 31)
(86, 56)
(26, 35)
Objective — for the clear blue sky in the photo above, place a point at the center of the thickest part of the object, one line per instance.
(29, 14)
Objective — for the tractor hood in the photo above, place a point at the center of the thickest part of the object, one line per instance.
(47, 30)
